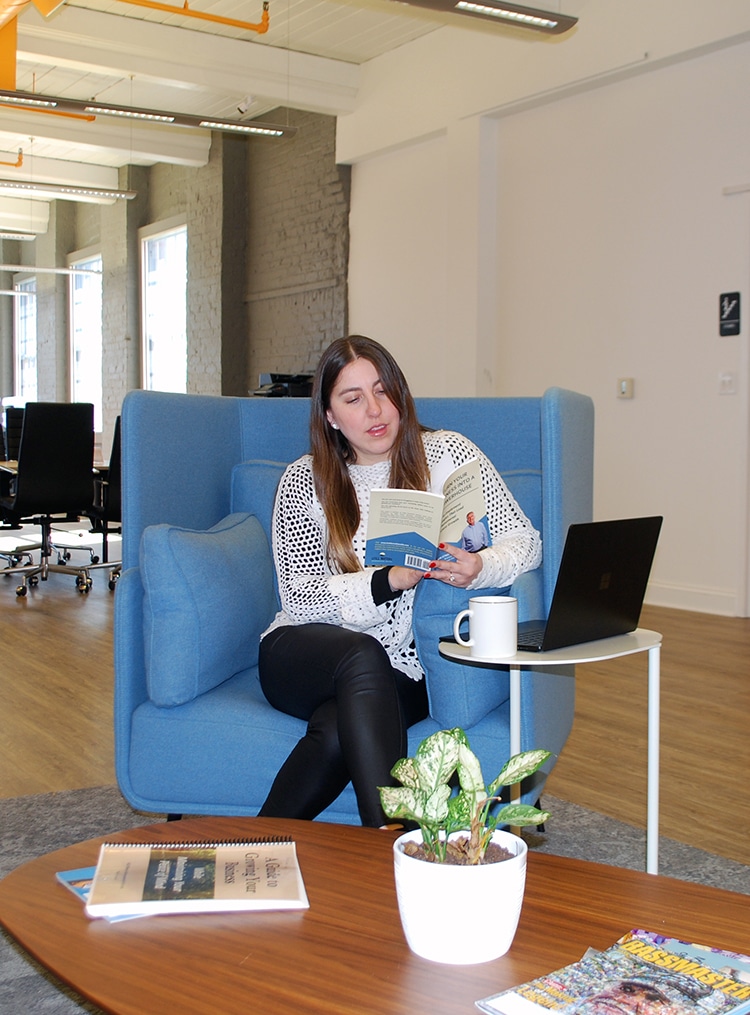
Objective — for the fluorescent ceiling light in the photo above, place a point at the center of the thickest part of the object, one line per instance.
(12, 234)
(67, 191)
(30, 100)
(134, 114)
(33, 269)
(511, 14)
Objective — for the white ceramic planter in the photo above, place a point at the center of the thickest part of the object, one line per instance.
(460, 915)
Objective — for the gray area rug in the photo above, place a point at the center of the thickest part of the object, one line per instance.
(33, 825)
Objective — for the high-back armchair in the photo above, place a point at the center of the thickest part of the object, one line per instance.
(193, 731)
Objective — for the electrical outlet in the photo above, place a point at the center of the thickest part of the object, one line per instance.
(727, 382)
(625, 387)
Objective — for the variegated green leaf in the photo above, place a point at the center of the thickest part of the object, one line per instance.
(406, 772)
(403, 802)
(436, 806)
(470, 771)
(519, 767)
(519, 815)
(435, 760)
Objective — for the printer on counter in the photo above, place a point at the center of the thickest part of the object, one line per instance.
(284, 386)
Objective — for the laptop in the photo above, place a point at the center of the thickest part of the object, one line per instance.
(600, 586)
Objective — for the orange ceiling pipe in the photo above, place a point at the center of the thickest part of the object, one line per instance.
(8, 46)
(10, 9)
(185, 10)
(88, 117)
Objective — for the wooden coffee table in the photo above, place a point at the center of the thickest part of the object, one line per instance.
(346, 955)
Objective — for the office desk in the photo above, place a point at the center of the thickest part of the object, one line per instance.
(639, 640)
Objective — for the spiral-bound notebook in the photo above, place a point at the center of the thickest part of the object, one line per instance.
(196, 877)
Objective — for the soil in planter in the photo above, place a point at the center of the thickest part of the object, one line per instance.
(456, 855)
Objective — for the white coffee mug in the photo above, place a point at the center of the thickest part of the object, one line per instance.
(493, 626)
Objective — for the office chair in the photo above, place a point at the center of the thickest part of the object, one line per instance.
(107, 504)
(10, 435)
(54, 477)
(13, 430)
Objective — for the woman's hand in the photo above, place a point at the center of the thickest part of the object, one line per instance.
(402, 578)
(459, 572)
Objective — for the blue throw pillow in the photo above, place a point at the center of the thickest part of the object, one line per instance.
(208, 597)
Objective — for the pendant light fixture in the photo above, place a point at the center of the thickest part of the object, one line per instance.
(518, 15)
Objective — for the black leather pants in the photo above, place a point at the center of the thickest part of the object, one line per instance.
(357, 707)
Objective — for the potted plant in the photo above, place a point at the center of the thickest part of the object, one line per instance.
(459, 869)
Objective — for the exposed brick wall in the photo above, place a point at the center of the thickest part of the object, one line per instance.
(298, 246)
(267, 265)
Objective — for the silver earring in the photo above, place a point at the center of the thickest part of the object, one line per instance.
(335, 426)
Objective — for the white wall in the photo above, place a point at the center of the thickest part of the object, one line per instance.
(623, 262)
(581, 240)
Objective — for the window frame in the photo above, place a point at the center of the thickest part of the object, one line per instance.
(80, 259)
(19, 396)
(147, 234)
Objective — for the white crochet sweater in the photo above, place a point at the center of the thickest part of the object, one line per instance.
(312, 593)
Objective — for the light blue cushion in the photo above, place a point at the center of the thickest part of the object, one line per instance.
(459, 695)
(208, 596)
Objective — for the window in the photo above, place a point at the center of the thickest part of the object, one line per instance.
(25, 344)
(164, 302)
(86, 333)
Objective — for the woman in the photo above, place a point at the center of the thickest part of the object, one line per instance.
(341, 654)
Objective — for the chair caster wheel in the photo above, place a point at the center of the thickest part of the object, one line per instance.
(34, 580)
(21, 590)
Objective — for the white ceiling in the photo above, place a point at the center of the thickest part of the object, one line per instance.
(123, 54)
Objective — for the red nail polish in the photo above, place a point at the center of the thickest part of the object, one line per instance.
(441, 546)
(433, 563)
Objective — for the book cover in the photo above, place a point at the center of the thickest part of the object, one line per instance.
(79, 881)
(140, 879)
(404, 527)
(641, 973)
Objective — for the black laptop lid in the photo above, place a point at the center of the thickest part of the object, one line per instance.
(602, 580)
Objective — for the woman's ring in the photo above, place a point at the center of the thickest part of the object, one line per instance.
(452, 579)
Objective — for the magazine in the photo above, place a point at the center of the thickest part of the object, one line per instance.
(405, 527)
(642, 970)
(79, 882)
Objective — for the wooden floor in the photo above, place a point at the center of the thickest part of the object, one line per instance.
(56, 717)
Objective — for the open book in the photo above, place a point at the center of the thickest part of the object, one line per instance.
(404, 527)
(195, 877)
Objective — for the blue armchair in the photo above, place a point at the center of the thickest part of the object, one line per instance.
(193, 732)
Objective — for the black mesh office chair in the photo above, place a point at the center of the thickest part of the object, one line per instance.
(11, 437)
(54, 478)
(106, 508)
(13, 430)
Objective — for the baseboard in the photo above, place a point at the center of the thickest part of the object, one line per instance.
(724, 602)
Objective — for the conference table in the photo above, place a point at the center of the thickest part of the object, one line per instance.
(346, 954)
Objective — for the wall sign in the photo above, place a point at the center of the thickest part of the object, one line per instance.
(729, 314)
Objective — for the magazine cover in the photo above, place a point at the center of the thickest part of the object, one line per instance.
(642, 974)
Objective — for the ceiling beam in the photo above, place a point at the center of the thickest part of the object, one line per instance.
(24, 215)
(184, 61)
(69, 174)
(106, 140)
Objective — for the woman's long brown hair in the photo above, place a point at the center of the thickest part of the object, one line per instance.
(331, 452)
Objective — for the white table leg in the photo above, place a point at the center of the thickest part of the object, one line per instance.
(515, 722)
(652, 821)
